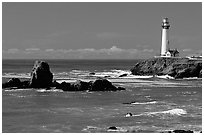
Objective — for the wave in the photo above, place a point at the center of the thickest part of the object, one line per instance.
(51, 90)
(144, 103)
(172, 112)
(165, 77)
(15, 89)
(16, 75)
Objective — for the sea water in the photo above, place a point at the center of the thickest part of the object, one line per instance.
(157, 104)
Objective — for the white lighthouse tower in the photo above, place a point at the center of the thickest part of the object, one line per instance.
(165, 37)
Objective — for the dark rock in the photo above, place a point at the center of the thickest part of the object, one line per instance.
(183, 73)
(113, 128)
(64, 86)
(92, 73)
(175, 67)
(182, 131)
(55, 84)
(14, 82)
(102, 85)
(80, 86)
(128, 115)
(98, 85)
(200, 74)
(123, 75)
(120, 88)
(25, 84)
(41, 77)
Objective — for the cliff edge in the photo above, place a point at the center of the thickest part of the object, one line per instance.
(174, 67)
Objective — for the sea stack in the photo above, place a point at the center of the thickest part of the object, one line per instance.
(41, 77)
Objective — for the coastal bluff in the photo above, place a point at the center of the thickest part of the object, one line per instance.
(175, 67)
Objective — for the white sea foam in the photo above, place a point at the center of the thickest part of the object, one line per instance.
(144, 103)
(172, 112)
(165, 77)
(16, 75)
(51, 90)
(112, 73)
(16, 89)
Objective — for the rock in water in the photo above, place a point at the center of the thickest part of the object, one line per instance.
(123, 75)
(174, 67)
(113, 128)
(79, 86)
(102, 85)
(183, 131)
(41, 77)
(14, 82)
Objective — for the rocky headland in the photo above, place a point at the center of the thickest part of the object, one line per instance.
(42, 77)
(175, 67)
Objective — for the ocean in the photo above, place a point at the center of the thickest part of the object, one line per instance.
(157, 104)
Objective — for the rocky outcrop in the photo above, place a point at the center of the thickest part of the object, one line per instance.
(102, 85)
(14, 82)
(175, 67)
(123, 75)
(41, 77)
(97, 85)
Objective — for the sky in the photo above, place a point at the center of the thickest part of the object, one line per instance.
(118, 30)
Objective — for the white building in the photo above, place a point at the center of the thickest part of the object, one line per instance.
(165, 48)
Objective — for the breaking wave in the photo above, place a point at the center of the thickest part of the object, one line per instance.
(144, 103)
(16, 75)
(172, 112)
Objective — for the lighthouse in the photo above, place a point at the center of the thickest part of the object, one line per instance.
(165, 48)
(165, 37)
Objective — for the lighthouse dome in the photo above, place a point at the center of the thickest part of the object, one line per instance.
(165, 20)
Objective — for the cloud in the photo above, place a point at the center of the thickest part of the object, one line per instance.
(12, 50)
(110, 53)
(32, 49)
(49, 50)
(113, 52)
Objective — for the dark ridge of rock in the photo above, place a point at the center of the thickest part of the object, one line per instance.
(123, 75)
(97, 85)
(182, 131)
(13, 82)
(175, 67)
(120, 88)
(113, 128)
(55, 84)
(92, 73)
(64, 86)
(80, 86)
(200, 74)
(41, 77)
(102, 85)
(25, 84)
